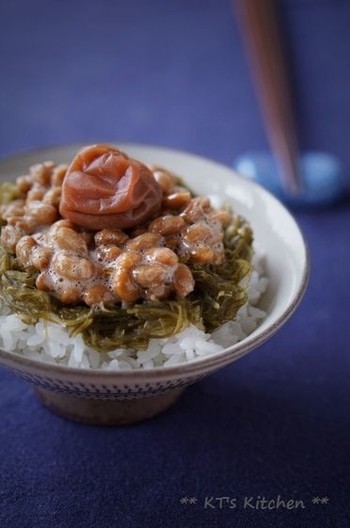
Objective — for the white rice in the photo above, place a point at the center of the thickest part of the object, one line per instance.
(51, 342)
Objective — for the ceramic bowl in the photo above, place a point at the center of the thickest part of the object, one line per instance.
(106, 397)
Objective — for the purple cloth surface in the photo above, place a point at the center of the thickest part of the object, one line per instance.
(277, 422)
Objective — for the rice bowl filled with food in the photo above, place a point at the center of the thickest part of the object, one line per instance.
(130, 272)
(108, 263)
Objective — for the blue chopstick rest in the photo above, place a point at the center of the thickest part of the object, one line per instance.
(320, 173)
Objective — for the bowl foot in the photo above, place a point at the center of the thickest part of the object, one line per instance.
(107, 412)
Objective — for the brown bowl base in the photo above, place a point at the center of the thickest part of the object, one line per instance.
(107, 412)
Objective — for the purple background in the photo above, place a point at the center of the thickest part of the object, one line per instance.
(276, 422)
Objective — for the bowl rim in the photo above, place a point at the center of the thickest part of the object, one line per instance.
(195, 367)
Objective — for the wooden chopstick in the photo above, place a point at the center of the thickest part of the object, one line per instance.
(259, 24)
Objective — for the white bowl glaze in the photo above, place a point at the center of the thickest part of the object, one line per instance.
(127, 396)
